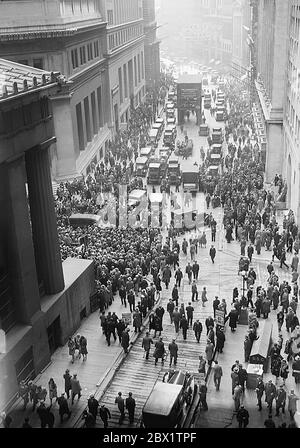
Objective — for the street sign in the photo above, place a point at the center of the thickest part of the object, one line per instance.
(127, 318)
(220, 318)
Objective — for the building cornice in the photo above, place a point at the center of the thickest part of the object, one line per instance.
(112, 28)
(124, 47)
(48, 31)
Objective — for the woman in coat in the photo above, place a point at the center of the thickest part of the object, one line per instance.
(83, 347)
(52, 390)
(159, 351)
(233, 318)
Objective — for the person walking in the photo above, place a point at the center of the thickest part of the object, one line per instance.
(125, 340)
(45, 415)
(270, 394)
(234, 379)
(242, 417)
(220, 335)
(190, 314)
(137, 320)
(211, 335)
(170, 309)
(63, 407)
(119, 401)
(209, 352)
(52, 390)
(146, 344)
(159, 351)
(83, 347)
(178, 277)
(166, 275)
(204, 296)
(184, 326)
(280, 400)
(24, 394)
(237, 397)
(197, 329)
(104, 415)
(242, 374)
(260, 388)
(292, 403)
(176, 319)
(216, 303)
(212, 253)
(218, 373)
(202, 395)
(202, 365)
(194, 291)
(75, 387)
(130, 406)
(175, 294)
(233, 318)
(189, 272)
(89, 419)
(71, 346)
(195, 269)
(173, 352)
(93, 405)
(67, 379)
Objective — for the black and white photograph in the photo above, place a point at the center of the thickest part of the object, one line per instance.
(149, 218)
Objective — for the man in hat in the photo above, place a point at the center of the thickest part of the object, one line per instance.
(130, 406)
(260, 388)
(75, 387)
(242, 417)
(63, 407)
(121, 406)
(104, 415)
(280, 400)
(218, 373)
(270, 393)
(173, 350)
(93, 405)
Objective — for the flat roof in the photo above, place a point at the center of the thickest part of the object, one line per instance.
(162, 398)
(189, 79)
(141, 159)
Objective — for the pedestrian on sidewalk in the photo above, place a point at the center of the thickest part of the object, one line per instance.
(237, 397)
(175, 294)
(24, 394)
(204, 296)
(260, 388)
(270, 394)
(121, 406)
(209, 352)
(33, 395)
(189, 272)
(71, 346)
(218, 373)
(178, 277)
(292, 403)
(233, 318)
(197, 328)
(67, 378)
(280, 400)
(242, 417)
(130, 406)
(93, 405)
(242, 374)
(159, 351)
(202, 364)
(211, 335)
(46, 416)
(220, 335)
(170, 308)
(77, 345)
(63, 407)
(104, 415)
(202, 395)
(125, 340)
(190, 314)
(212, 253)
(89, 419)
(121, 326)
(173, 352)
(194, 291)
(52, 390)
(176, 319)
(195, 269)
(184, 326)
(137, 320)
(146, 344)
(83, 347)
(216, 303)
(75, 387)
(234, 379)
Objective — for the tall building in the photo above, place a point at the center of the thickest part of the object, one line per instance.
(291, 123)
(152, 54)
(125, 57)
(69, 37)
(270, 21)
(42, 300)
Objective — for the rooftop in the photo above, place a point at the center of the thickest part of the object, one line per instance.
(17, 78)
(189, 79)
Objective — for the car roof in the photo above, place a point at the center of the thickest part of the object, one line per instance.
(141, 159)
(162, 398)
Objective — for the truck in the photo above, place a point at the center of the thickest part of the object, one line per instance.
(207, 101)
(217, 136)
(173, 170)
(154, 172)
(190, 177)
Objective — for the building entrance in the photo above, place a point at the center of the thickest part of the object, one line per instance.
(54, 333)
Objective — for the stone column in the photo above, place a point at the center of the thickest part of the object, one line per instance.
(17, 240)
(43, 218)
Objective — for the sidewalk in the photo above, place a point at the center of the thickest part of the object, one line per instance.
(91, 373)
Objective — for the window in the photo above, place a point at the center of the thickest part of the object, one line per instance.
(90, 51)
(99, 96)
(82, 55)
(125, 81)
(87, 119)
(96, 49)
(139, 68)
(38, 63)
(120, 85)
(94, 114)
(142, 63)
(135, 72)
(110, 17)
(79, 127)
(74, 57)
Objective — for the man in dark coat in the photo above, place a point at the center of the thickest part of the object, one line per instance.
(170, 309)
(125, 340)
(242, 417)
(184, 326)
(130, 406)
(63, 407)
(190, 313)
(260, 388)
(104, 415)
(197, 329)
(216, 303)
(93, 405)
(212, 253)
(159, 351)
(166, 275)
(120, 328)
(209, 322)
(178, 277)
(175, 294)
(220, 340)
(242, 373)
(173, 351)
(176, 319)
(146, 344)
(121, 406)
(195, 269)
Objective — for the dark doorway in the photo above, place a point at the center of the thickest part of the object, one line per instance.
(54, 333)
(83, 313)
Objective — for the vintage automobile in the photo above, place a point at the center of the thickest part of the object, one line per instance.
(154, 137)
(146, 152)
(141, 166)
(203, 130)
(155, 172)
(170, 400)
(173, 170)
